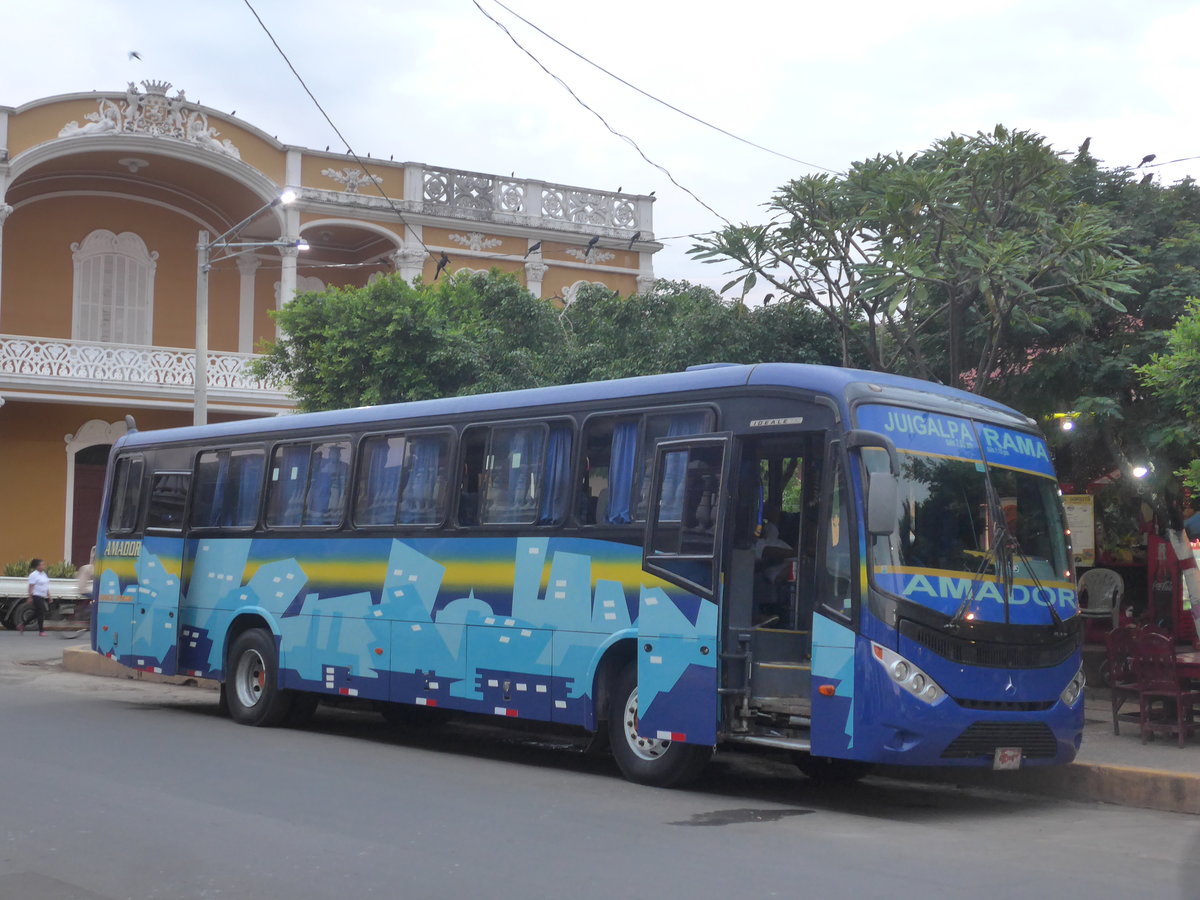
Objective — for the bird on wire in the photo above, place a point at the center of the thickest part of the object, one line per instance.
(133, 54)
(533, 248)
(443, 261)
(767, 299)
(1148, 158)
(591, 244)
(633, 240)
(1083, 148)
(1147, 178)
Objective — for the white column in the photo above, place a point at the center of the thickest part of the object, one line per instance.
(5, 212)
(409, 260)
(247, 266)
(535, 271)
(287, 280)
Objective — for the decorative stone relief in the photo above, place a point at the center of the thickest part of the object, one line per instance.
(351, 179)
(590, 256)
(475, 241)
(155, 114)
(645, 283)
(5, 212)
(572, 291)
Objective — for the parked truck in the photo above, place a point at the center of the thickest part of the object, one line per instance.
(14, 599)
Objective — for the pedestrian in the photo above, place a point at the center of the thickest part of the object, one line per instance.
(39, 594)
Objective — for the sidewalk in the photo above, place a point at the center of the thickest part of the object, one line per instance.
(1110, 768)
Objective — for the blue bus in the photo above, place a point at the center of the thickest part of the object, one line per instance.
(857, 567)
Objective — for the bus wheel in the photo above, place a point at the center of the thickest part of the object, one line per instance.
(647, 760)
(826, 770)
(253, 692)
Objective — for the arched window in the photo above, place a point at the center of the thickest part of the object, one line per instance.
(114, 289)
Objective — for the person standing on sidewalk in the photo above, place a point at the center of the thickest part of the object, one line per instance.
(39, 593)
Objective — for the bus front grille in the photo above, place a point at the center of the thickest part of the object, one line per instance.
(1035, 739)
(989, 654)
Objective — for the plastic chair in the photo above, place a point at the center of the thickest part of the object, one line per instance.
(1121, 682)
(1103, 589)
(1158, 682)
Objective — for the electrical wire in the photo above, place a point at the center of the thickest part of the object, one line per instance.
(603, 121)
(349, 150)
(658, 100)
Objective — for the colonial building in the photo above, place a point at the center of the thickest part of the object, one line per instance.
(111, 204)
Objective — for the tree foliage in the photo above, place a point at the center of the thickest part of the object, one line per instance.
(472, 333)
(940, 264)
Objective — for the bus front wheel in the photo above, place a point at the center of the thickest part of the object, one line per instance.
(252, 691)
(642, 759)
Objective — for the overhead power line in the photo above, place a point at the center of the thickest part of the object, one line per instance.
(603, 121)
(659, 100)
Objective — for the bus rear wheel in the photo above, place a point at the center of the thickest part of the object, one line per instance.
(642, 759)
(252, 690)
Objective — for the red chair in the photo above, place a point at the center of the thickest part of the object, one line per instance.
(1119, 675)
(1158, 682)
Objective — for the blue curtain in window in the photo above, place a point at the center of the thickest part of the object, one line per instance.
(325, 487)
(620, 473)
(293, 481)
(419, 500)
(218, 513)
(557, 474)
(249, 483)
(377, 504)
(675, 464)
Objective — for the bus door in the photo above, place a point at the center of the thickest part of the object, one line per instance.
(155, 597)
(770, 582)
(677, 622)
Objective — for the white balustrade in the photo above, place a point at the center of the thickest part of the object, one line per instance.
(116, 365)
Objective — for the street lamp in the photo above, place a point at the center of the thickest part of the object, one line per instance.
(207, 253)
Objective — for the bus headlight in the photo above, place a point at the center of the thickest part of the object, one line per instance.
(1072, 691)
(908, 676)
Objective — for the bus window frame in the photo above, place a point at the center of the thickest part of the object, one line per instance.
(642, 414)
(448, 494)
(840, 467)
(489, 426)
(139, 458)
(262, 494)
(185, 512)
(311, 441)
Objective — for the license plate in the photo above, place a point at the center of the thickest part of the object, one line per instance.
(1007, 758)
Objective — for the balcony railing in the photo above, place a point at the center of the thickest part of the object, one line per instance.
(28, 363)
(477, 196)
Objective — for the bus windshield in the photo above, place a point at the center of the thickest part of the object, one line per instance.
(978, 506)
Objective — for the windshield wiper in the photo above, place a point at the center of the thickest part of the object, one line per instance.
(1010, 547)
(956, 620)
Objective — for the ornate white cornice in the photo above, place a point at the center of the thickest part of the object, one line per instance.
(5, 212)
(152, 113)
(474, 240)
(351, 179)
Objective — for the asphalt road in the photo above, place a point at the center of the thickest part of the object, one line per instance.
(120, 789)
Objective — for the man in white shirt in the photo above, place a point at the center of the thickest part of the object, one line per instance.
(39, 594)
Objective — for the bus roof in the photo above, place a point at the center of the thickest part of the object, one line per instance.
(831, 381)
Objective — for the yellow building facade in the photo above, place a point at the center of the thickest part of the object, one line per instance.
(110, 204)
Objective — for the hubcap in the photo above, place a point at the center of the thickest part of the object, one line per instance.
(251, 678)
(642, 747)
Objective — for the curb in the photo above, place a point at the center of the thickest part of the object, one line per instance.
(1177, 792)
(1122, 785)
(86, 661)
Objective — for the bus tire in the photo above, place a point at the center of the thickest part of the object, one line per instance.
(253, 691)
(641, 759)
(827, 770)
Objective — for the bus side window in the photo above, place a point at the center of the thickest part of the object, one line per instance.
(168, 497)
(228, 488)
(126, 494)
(513, 474)
(472, 484)
(837, 591)
(308, 484)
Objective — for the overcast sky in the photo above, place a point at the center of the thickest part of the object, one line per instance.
(435, 81)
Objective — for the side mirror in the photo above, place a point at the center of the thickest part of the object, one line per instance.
(883, 502)
(859, 438)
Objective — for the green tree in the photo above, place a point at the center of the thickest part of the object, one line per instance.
(391, 341)
(940, 264)
(1174, 378)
